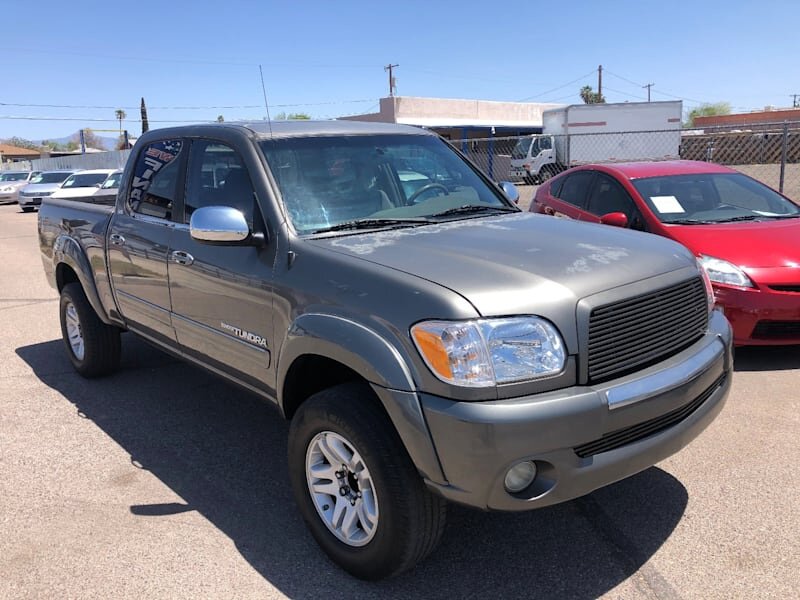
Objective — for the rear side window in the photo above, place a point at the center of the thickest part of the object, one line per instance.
(156, 178)
(575, 188)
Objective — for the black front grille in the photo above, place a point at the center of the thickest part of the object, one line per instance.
(634, 433)
(786, 288)
(776, 330)
(633, 333)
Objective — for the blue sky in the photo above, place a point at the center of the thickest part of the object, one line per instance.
(327, 58)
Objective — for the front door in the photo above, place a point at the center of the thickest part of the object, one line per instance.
(222, 294)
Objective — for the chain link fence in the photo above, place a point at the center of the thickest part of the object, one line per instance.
(769, 153)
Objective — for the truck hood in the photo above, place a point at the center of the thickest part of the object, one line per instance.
(513, 264)
(756, 244)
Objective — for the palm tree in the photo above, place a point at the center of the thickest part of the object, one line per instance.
(120, 115)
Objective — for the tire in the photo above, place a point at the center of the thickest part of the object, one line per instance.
(26, 208)
(92, 346)
(545, 174)
(407, 520)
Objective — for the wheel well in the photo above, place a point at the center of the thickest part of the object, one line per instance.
(310, 374)
(65, 275)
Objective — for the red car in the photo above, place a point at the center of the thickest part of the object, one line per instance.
(746, 235)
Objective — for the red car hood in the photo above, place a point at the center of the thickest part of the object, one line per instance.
(759, 244)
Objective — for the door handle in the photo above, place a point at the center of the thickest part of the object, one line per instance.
(116, 239)
(181, 257)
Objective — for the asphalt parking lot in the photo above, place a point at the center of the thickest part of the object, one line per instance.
(162, 482)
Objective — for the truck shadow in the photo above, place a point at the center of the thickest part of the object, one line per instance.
(223, 452)
(767, 358)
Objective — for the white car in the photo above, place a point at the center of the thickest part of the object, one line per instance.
(11, 182)
(84, 184)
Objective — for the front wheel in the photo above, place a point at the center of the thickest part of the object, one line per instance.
(356, 486)
(26, 208)
(92, 346)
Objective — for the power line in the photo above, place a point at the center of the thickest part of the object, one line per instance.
(22, 105)
(625, 93)
(555, 89)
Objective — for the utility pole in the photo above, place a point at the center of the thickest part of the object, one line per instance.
(648, 86)
(795, 103)
(600, 81)
(389, 68)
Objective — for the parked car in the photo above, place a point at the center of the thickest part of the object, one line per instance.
(86, 184)
(746, 235)
(428, 344)
(41, 186)
(11, 182)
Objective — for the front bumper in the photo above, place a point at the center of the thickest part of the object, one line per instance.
(580, 438)
(761, 316)
(30, 201)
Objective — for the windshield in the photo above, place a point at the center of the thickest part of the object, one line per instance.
(712, 198)
(85, 180)
(330, 181)
(13, 176)
(50, 177)
(522, 147)
(112, 181)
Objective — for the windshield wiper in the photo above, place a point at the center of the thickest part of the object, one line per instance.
(741, 218)
(473, 208)
(795, 216)
(372, 224)
(688, 222)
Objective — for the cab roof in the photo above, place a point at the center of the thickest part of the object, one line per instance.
(300, 128)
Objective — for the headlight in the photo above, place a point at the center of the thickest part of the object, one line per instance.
(721, 271)
(486, 352)
(7, 189)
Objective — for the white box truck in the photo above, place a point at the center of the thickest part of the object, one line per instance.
(588, 133)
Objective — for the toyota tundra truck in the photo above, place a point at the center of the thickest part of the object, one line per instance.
(427, 340)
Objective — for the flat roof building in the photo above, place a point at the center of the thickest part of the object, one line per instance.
(460, 119)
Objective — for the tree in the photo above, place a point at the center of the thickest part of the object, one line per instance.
(220, 119)
(708, 110)
(591, 97)
(89, 138)
(282, 116)
(145, 125)
(22, 143)
(121, 117)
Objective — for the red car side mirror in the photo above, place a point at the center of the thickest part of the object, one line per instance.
(617, 219)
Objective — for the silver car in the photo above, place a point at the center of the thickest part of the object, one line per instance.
(41, 186)
(11, 182)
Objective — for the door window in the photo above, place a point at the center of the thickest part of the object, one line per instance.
(156, 179)
(608, 196)
(576, 187)
(217, 177)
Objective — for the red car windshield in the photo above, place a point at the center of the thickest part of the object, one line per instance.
(713, 198)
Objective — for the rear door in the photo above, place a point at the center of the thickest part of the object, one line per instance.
(570, 198)
(139, 238)
(222, 294)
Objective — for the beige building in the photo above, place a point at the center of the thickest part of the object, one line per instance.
(458, 119)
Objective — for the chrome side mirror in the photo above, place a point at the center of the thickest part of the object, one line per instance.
(218, 224)
(510, 190)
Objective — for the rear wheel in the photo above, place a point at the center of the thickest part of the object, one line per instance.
(545, 174)
(92, 346)
(356, 486)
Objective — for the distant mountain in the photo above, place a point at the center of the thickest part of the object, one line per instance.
(108, 142)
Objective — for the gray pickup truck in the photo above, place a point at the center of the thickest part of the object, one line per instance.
(428, 340)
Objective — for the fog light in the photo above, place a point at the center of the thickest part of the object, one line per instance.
(520, 476)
